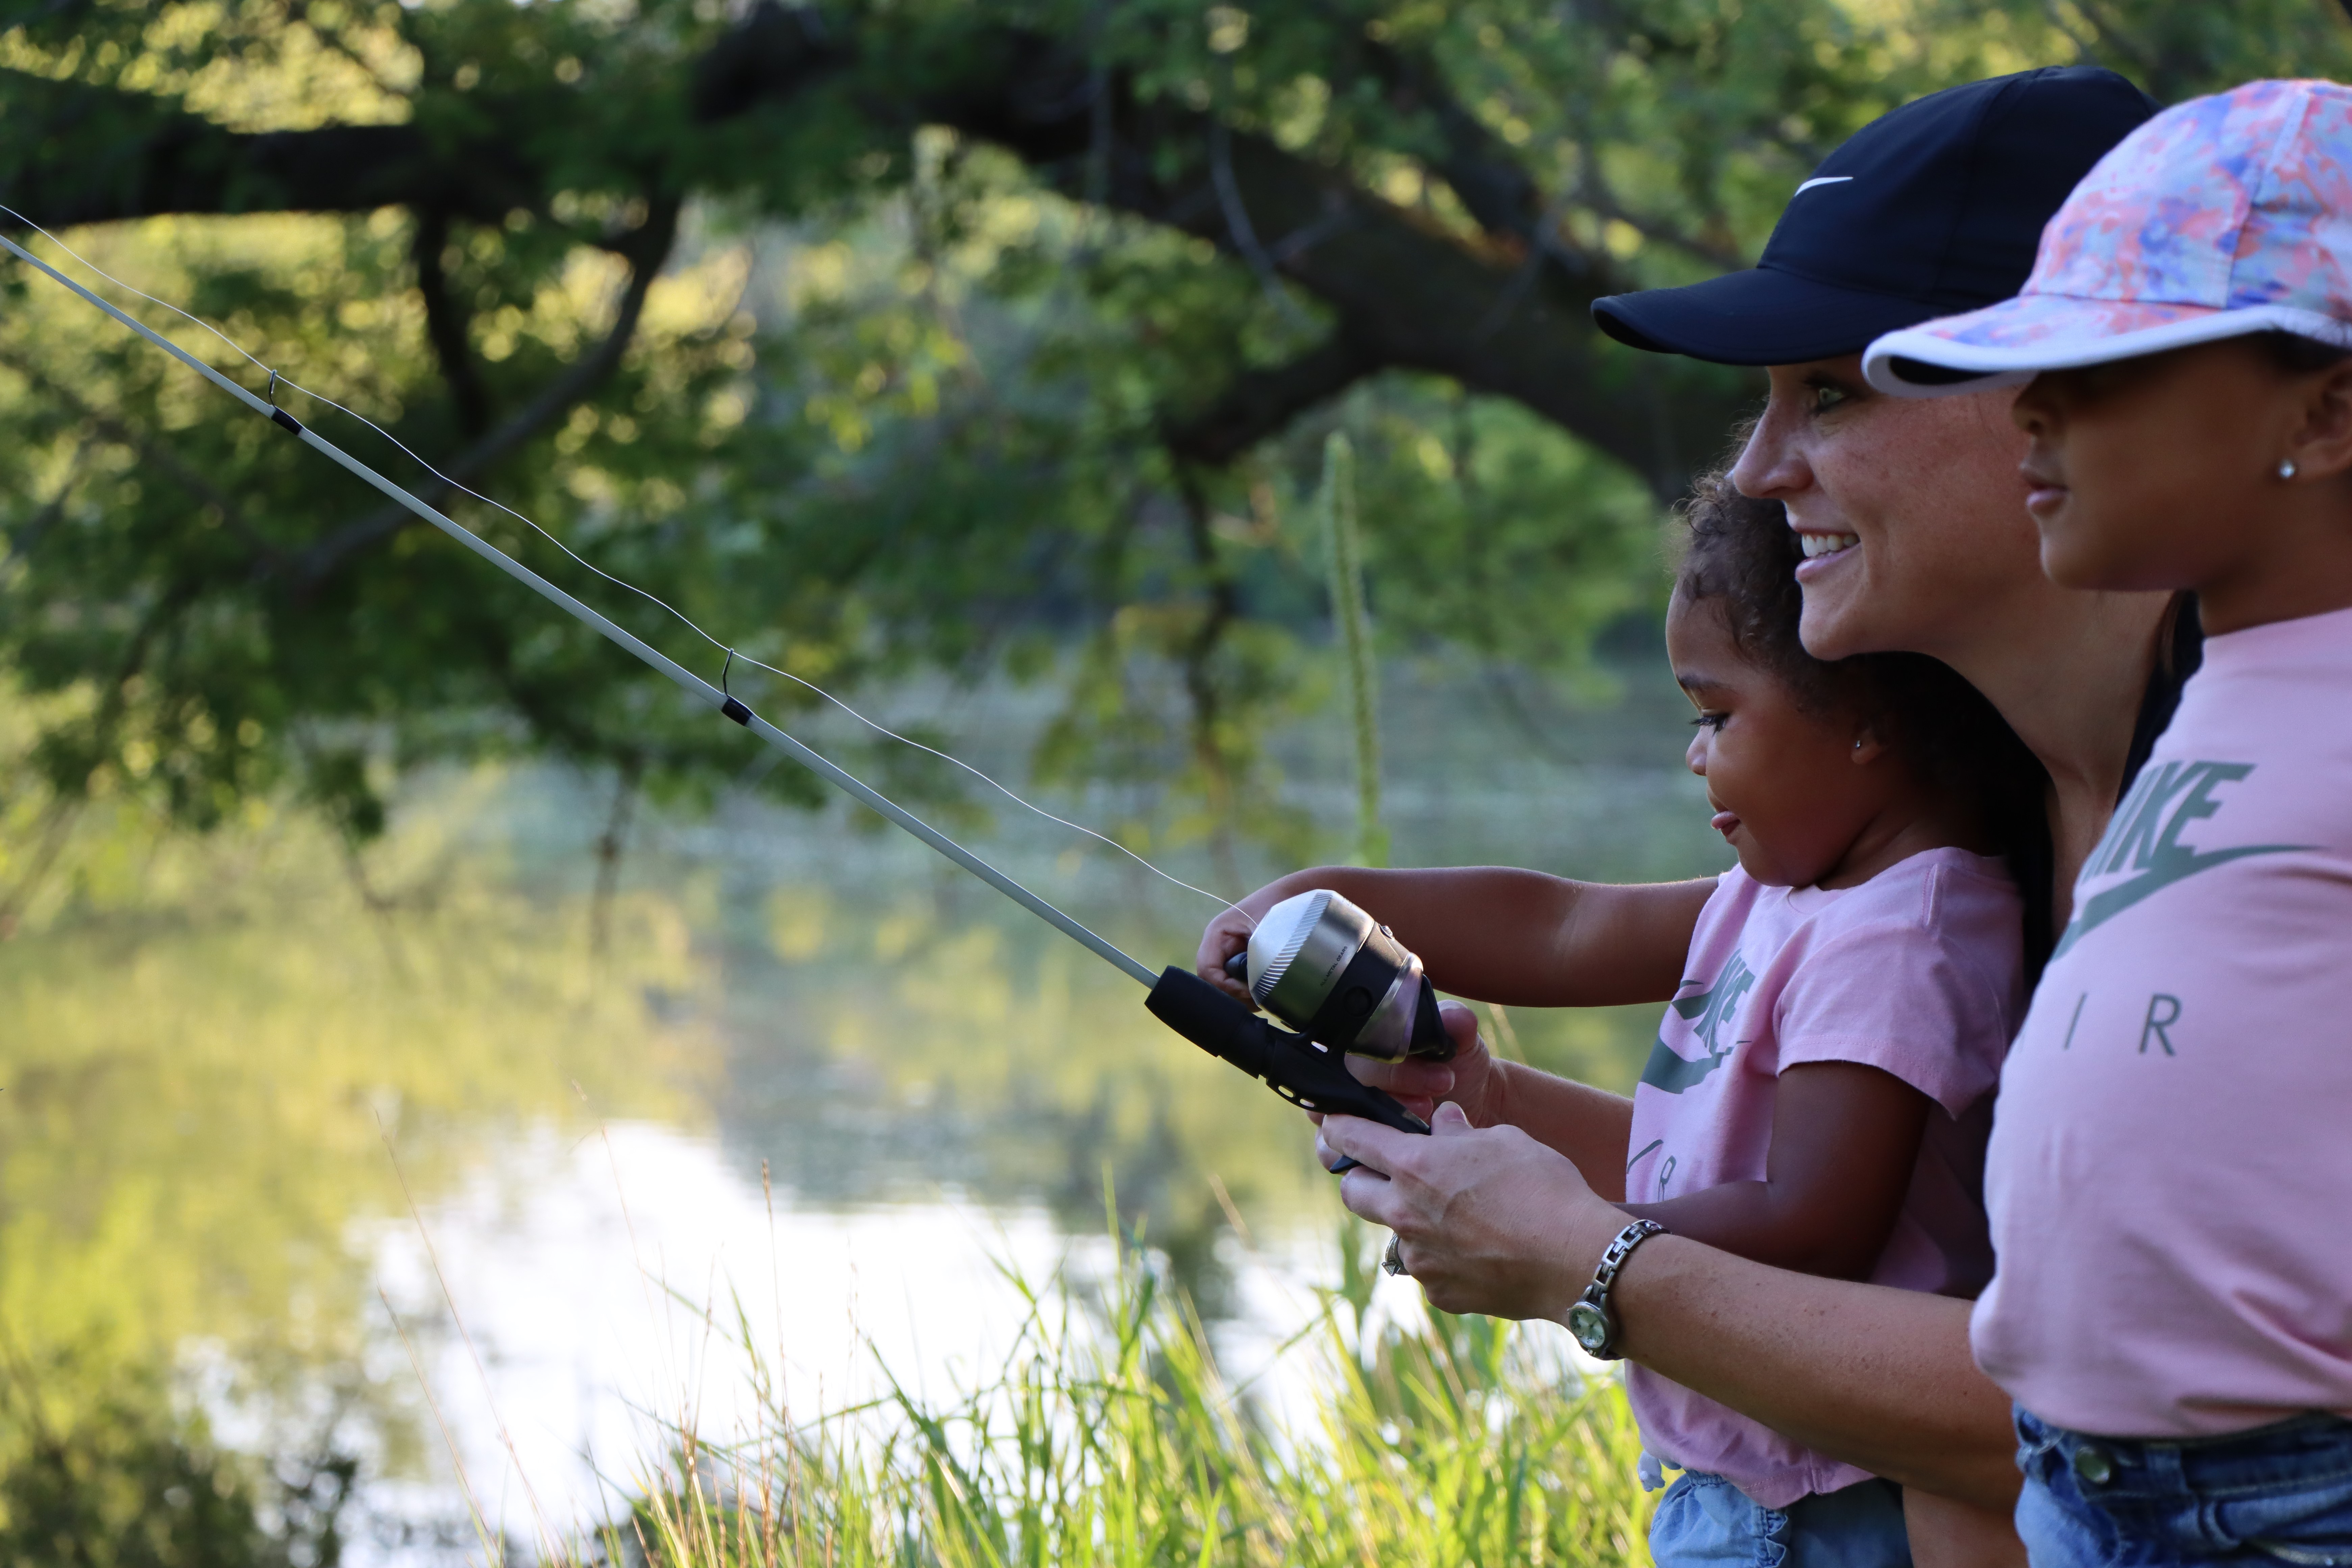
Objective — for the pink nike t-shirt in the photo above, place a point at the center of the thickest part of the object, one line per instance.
(1918, 972)
(2171, 1174)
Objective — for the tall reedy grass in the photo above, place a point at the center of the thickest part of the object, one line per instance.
(1111, 1438)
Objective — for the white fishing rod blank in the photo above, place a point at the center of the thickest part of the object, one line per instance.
(693, 684)
(1309, 1075)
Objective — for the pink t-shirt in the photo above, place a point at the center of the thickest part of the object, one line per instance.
(1919, 972)
(2170, 1176)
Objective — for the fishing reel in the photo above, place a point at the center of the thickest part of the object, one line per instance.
(1330, 971)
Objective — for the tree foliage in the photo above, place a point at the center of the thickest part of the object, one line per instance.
(874, 335)
(131, 1487)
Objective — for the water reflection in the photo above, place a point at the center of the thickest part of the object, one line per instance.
(891, 1027)
(216, 1050)
(577, 1302)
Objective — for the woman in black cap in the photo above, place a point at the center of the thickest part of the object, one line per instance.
(1915, 538)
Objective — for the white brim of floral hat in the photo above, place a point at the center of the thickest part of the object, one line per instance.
(2010, 343)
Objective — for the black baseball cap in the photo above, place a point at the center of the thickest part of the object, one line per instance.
(1930, 209)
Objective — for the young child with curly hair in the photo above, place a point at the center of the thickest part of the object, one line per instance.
(1819, 1094)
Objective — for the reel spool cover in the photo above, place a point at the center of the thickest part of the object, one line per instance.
(1329, 970)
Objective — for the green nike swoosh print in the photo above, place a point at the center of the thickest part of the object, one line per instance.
(1674, 1074)
(2168, 869)
(1709, 1010)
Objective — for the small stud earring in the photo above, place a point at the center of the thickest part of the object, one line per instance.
(2286, 468)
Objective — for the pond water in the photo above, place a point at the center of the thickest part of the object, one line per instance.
(394, 1157)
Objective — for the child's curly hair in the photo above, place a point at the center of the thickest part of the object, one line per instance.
(1742, 555)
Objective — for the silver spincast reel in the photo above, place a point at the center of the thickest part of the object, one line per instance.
(1330, 971)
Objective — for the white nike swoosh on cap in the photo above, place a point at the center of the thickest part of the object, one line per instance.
(1819, 180)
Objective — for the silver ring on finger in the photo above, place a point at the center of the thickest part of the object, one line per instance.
(1393, 1259)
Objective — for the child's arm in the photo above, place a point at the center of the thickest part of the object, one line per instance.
(1495, 934)
(1845, 1138)
(1519, 938)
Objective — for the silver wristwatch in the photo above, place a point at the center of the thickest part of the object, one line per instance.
(1590, 1321)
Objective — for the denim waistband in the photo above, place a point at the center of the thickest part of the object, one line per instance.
(2313, 1446)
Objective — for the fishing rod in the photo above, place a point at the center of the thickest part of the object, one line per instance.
(1316, 960)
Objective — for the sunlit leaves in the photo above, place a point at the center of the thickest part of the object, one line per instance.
(897, 399)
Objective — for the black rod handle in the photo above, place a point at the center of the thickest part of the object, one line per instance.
(1311, 1077)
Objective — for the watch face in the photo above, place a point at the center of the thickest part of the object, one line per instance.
(1590, 1328)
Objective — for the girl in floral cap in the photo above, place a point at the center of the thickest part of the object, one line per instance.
(2171, 1174)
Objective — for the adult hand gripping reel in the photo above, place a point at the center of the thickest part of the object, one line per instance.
(1343, 981)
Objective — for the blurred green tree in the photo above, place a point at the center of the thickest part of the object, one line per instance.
(130, 1486)
(881, 334)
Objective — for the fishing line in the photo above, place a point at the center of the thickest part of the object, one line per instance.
(730, 707)
(1318, 962)
(273, 410)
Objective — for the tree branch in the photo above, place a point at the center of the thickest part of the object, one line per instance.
(1259, 402)
(445, 324)
(650, 248)
(1240, 233)
(19, 541)
(774, 53)
(82, 154)
(1412, 297)
(1476, 164)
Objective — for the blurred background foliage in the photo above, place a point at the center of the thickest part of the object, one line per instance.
(227, 1062)
(900, 344)
(130, 1485)
(885, 336)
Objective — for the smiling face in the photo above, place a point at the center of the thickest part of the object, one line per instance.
(1793, 791)
(1912, 514)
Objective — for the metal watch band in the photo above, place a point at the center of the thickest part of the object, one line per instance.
(1592, 1320)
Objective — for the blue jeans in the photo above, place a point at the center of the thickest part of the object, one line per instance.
(1704, 1521)
(2276, 1494)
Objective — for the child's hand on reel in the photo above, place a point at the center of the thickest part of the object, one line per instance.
(1468, 1079)
(1225, 939)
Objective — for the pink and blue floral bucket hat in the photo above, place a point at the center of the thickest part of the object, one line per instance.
(2221, 216)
